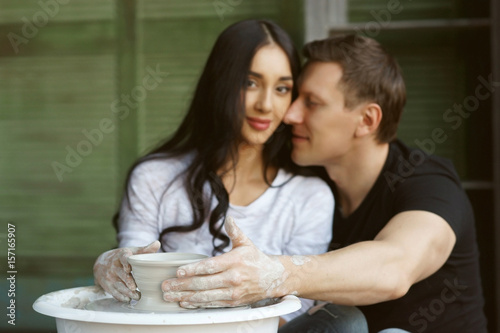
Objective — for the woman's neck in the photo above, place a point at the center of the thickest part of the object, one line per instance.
(245, 181)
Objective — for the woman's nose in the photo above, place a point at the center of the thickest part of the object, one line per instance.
(265, 103)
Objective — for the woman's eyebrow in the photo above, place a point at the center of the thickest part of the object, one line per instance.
(255, 74)
(283, 78)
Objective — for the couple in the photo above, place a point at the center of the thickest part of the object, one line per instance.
(403, 256)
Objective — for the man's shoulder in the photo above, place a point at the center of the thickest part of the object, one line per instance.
(406, 165)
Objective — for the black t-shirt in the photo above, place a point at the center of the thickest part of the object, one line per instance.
(451, 299)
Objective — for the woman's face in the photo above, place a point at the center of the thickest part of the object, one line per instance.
(268, 94)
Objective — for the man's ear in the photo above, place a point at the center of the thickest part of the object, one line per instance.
(371, 116)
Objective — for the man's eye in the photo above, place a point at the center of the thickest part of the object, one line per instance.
(310, 103)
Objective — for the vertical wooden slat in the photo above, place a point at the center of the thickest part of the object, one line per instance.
(495, 109)
(127, 80)
(291, 18)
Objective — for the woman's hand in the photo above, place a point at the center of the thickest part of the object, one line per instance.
(242, 276)
(112, 271)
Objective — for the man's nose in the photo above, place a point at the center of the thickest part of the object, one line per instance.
(294, 114)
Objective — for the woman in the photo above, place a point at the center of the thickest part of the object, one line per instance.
(230, 156)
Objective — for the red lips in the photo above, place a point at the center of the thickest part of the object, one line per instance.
(259, 124)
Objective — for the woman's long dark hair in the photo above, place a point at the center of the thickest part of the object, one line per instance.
(212, 126)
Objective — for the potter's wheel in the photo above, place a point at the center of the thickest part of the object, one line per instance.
(110, 304)
(89, 309)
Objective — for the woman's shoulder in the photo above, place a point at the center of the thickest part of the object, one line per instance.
(308, 195)
(161, 166)
(302, 185)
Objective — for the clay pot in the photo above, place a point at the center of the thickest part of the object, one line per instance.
(150, 270)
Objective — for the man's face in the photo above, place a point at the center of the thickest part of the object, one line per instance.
(323, 129)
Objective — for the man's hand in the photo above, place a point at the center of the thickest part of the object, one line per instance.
(112, 271)
(242, 276)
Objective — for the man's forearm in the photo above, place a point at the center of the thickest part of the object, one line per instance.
(361, 274)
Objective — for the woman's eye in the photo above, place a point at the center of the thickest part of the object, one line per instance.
(251, 83)
(284, 89)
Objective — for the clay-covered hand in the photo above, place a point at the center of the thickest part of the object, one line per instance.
(112, 271)
(244, 275)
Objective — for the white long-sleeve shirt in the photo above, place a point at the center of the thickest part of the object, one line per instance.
(292, 217)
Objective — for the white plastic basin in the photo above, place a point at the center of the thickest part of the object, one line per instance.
(89, 309)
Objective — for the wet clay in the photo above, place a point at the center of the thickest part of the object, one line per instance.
(150, 270)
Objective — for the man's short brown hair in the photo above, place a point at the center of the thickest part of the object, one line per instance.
(369, 74)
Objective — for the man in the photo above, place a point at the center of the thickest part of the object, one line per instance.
(403, 250)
